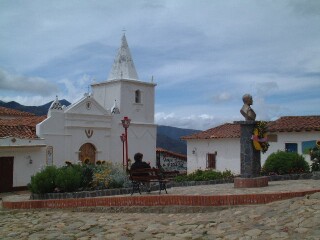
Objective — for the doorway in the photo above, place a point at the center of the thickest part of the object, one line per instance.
(87, 153)
(6, 174)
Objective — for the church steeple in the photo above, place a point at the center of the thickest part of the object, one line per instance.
(123, 66)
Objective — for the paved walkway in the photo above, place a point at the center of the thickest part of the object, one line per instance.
(296, 218)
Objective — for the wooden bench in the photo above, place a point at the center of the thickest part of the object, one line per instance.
(140, 177)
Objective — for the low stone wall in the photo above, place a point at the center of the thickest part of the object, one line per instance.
(122, 191)
(159, 200)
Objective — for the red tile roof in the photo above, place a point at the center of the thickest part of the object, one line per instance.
(23, 127)
(162, 150)
(283, 124)
(295, 124)
(14, 113)
(227, 130)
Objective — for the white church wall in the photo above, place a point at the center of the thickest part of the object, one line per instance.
(106, 93)
(142, 138)
(140, 112)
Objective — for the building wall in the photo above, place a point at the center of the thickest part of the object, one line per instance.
(228, 150)
(123, 91)
(227, 157)
(290, 137)
(65, 130)
(172, 163)
(22, 168)
(106, 92)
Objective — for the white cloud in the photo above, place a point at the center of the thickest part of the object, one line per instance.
(200, 122)
(74, 90)
(31, 85)
(222, 97)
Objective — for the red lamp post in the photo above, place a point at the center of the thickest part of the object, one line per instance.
(123, 139)
(125, 123)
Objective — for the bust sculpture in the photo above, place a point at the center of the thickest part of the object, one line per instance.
(246, 110)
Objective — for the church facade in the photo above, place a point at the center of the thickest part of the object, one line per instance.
(89, 130)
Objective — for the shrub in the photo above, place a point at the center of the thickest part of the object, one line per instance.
(86, 175)
(68, 179)
(108, 175)
(118, 177)
(44, 181)
(205, 175)
(285, 163)
(315, 166)
(315, 157)
(73, 177)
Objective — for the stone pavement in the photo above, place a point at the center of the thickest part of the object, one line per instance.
(297, 218)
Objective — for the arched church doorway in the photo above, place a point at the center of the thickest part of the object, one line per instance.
(87, 153)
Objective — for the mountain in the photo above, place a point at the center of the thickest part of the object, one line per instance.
(37, 110)
(167, 137)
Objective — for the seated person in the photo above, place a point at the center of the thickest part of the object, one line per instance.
(139, 164)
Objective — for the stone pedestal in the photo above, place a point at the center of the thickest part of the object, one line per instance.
(250, 158)
(251, 182)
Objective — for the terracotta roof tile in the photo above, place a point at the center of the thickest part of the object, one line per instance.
(23, 127)
(227, 130)
(295, 124)
(162, 150)
(283, 124)
(14, 113)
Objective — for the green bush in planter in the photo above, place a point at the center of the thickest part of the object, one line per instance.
(86, 175)
(68, 179)
(205, 175)
(285, 163)
(44, 181)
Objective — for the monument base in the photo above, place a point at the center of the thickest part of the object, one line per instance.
(251, 182)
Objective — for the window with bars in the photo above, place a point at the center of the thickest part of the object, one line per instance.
(211, 160)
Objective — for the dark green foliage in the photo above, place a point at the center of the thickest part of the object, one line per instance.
(315, 166)
(115, 184)
(205, 175)
(44, 181)
(68, 179)
(86, 175)
(285, 163)
(79, 177)
(315, 157)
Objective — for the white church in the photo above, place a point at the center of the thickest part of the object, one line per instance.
(89, 130)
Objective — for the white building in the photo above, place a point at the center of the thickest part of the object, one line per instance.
(219, 148)
(22, 153)
(90, 129)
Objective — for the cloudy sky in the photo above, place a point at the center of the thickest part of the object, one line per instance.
(203, 54)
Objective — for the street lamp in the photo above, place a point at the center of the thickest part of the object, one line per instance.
(125, 123)
(123, 139)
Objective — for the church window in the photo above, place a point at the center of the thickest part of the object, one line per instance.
(137, 96)
(88, 105)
